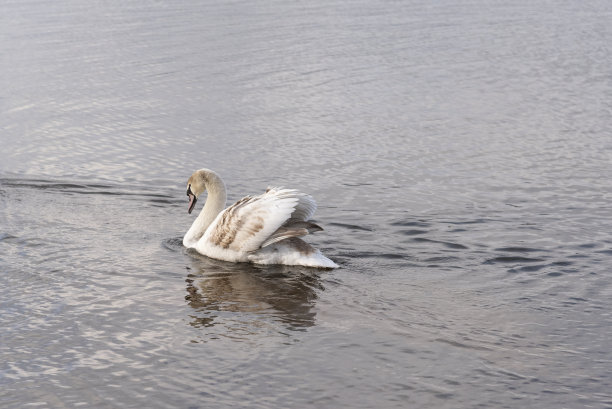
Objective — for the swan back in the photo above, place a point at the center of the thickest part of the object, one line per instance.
(248, 223)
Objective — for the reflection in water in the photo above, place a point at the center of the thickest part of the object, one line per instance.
(262, 295)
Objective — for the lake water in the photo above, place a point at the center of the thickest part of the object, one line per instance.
(460, 154)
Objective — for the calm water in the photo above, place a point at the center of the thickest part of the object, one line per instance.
(460, 152)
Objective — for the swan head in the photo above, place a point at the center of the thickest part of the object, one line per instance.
(196, 185)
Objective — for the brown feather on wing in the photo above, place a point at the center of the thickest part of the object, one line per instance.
(251, 222)
(292, 228)
(228, 227)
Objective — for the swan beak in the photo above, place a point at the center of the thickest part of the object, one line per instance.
(192, 203)
(192, 199)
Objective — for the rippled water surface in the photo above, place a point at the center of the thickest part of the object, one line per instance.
(460, 153)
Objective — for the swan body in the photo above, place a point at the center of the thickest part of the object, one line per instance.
(263, 229)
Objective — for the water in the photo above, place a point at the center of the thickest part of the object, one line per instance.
(460, 155)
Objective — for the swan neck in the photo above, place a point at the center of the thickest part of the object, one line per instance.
(217, 196)
(215, 203)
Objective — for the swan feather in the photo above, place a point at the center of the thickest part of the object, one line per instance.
(247, 224)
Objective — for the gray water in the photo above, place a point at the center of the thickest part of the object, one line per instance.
(460, 154)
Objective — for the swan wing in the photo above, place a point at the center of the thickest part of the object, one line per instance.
(291, 228)
(305, 209)
(247, 224)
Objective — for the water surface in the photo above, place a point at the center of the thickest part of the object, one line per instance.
(460, 155)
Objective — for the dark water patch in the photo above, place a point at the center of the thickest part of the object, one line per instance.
(607, 252)
(407, 265)
(444, 243)
(552, 392)
(129, 194)
(475, 221)
(358, 184)
(442, 259)
(165, 202)
(412, 232)
(515, 376)
(512, 259)
(417, 223)
(8, 237)
(173, 244)
(350, 226)
(86, 188)
(518, 249)
(589, 245)
(554, 274)
(530, 226)
(461, 344)
(562, 263)
(331, 281)
(391, 256)
(45, 185)
(528, 269)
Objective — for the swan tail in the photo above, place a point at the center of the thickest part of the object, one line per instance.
(291, 251)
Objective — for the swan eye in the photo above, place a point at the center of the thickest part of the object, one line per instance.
(189, 190)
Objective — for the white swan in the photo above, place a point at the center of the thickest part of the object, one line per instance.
(262, 229)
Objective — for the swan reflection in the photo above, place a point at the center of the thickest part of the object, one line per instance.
(247, 298)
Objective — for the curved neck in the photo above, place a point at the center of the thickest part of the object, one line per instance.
(215, 203)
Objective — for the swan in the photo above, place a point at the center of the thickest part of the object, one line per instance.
(263, 229)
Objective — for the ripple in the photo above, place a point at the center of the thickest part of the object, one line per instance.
(411, 224)
(530, 268)
(388, 256)
(462, 344)
(413, 232)
(562, 263)
(444, 243)
(512, 259)
(126, 190)
(441, 259)
(518, 249)
(8, 237)
(475, 221)
(173, 244)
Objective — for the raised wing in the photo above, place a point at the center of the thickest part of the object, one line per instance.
(250, 222)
